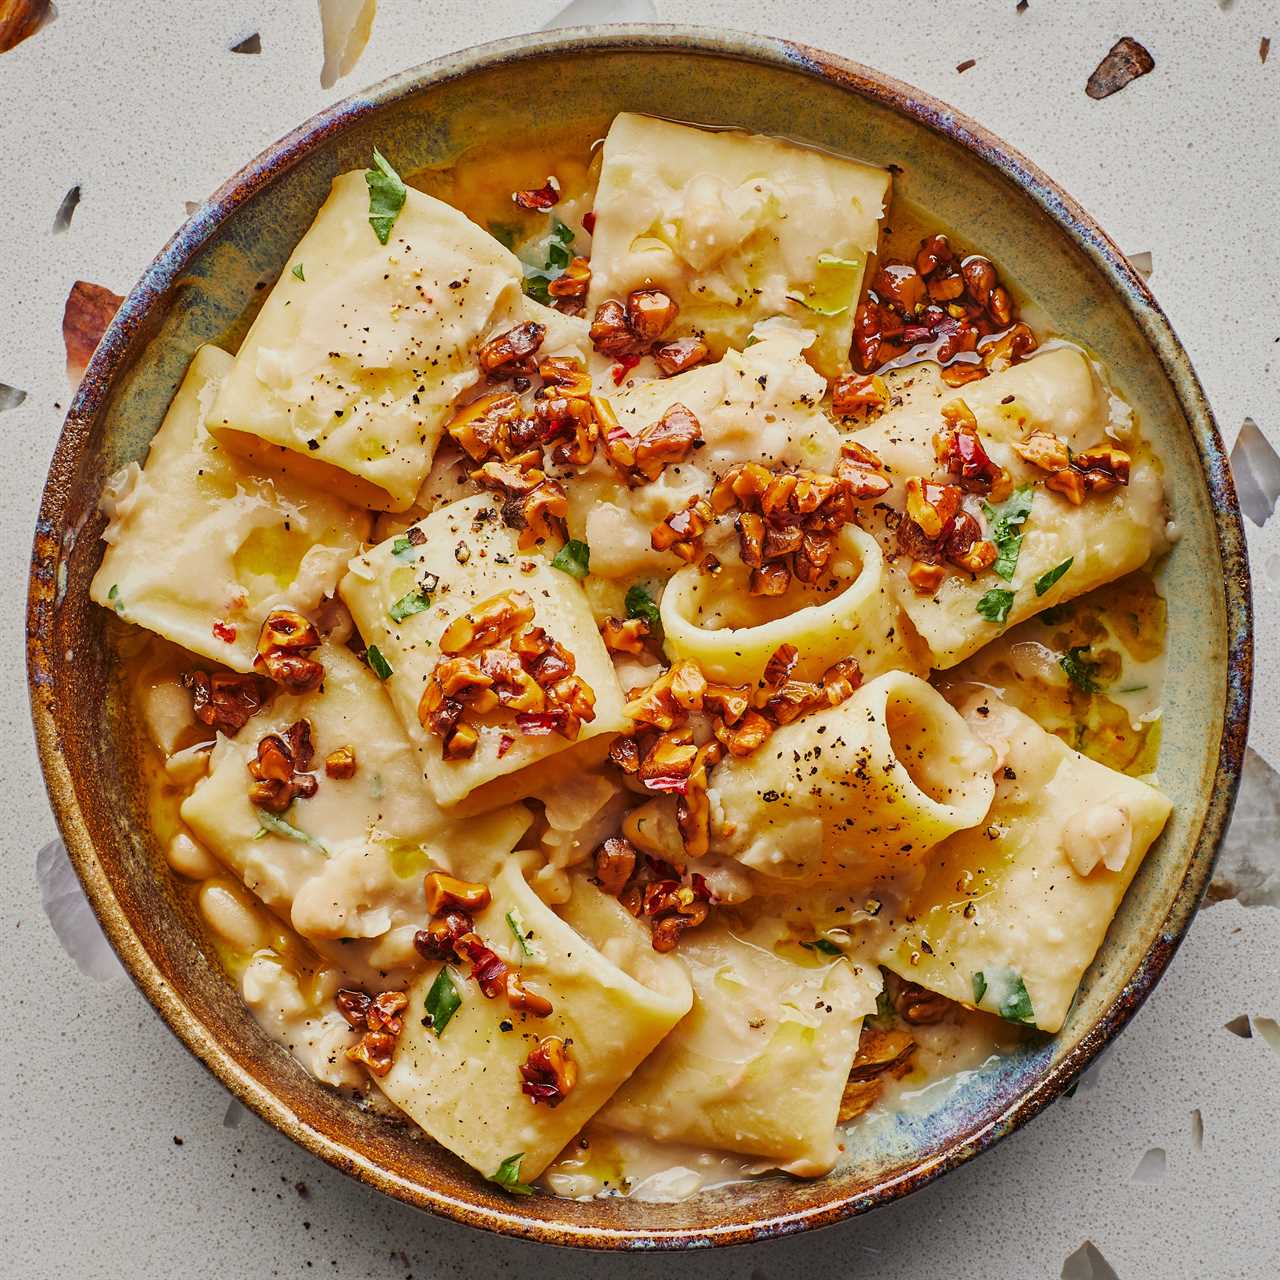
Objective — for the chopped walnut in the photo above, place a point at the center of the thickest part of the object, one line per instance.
(1068, 482)
(384, 1012)
(668, 440)
(279, 769)
(965, 546)
(746, 735)
(1045, 450)
(225, 700)
(461, 743)
(487, 623)
(931, 506)
(523, 999)
(286, 637)
(438, 939)
(380, 1019)
(538, 514)
(926, 578)
(782, 662)
(479, 427)
(693, 810)
(567, 374)
(681, 532)
(447, 893)
(625, 754)
(549, 1073)
(573, 282)
(680, 354)
(376, 1050)
(667, 763)
(610, 334)
(960, 449)
(487, 967)
(1009, 349)
(512, 351)
(919, 1006)
(340, 763)
(353, 1005)
(855, 394)
(650, 313)
(624, 636)
(881, 1055)
(615, 862)
(769, 580)
(1102, 468)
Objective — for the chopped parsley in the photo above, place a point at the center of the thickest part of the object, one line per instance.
(443, 1000)
(1080, 671)
(558, 247)
(1046, 580)
(574, 558)
(640, 605)
(410, 603)
(276, 825)
(995, 605)
(516, 925)
(507, 1176)
(386, 196)
(825, 945)
(403, 549)
(297, 271)
(114, 597)
(381, 667)
(979, 987)
(1007, 520)
(1009, 996)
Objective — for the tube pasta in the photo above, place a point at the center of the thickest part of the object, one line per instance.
(736, 227)
(757, 1019)
(469, 556)
(1028, 897)
(708, 620)
(1110, 535)
(200, 548)
(614, 1005)
(860, 791)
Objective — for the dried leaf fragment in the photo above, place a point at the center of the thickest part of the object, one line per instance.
(1124, 63)
(347, 25)
(966, 65)
(1264, 49)
(10, 397)
(85, 318)
(62, 219)
(22, 18)
(250, 44)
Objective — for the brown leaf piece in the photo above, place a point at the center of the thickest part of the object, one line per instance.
(66, 210)
(1124, 63)
(347, 25)
(22, 18)
(1264, 48)
(966, 65)
(250, 44)
(84, 320)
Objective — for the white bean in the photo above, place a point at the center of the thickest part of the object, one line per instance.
(231, 916)
(190, 859)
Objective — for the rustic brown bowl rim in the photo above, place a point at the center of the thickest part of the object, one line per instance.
(117, 351)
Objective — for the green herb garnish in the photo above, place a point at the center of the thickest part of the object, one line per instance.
(559, 253)
(403, 549)
(410, 603)
(1009, 993)
(1080, 671)
(386, 196)
(1133, 688)
(297, 271)
(114, 597)
(276, 825)
(995, 605)
(640, 605)
(1006, 524)
(381, 667)
(1046, 580)
(443, 1000)
(574, 558)
(507, 1176)
(516, 926)
(825, 945)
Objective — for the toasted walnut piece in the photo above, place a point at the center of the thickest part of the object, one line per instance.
(610, 333)
(353, 1005)
(285, 629)
(655, 704)
(225, 700)
(919, 1006)
(650, 313)
(1000, 306)
(461, 743)
(538, 199)
(1103, 468)
(1009, 348)
(693, 809)
(512, 351)
(436, 941)
(977, 557)
(688, 685)
(856, 393)
(445, 892)
(625, 753)
(841, 680)
(931, 506)
(680, 354)
(778, 540)
(934, 252)
(567, 374)
(1045, 450)
(794, 698)
(868, 336)
(813, 556)
(487, 967)
(769, 580)
(741, 486)
(961, 451)
(375, 1049)
(549, 1073)
(340, 763)
(477, 427)
(514, 687)
(624, 637)
(521, 997)
(682, 530)
(436, 712)
(1069, 483)
(487, 623)
(960, 375)
(668, 762)
(926, 578)
(668, 440)
(730, 702)
(902, 285)
(615, 863)
(751, 731)
(464, 680)
(882, 1055)
(781, 664)
(293, 671)
(573, 282)
(277, 769)
(979, 279)
(751, 536)
(384, 1012)
(545, 659)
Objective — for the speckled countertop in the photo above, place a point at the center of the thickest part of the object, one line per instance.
(123, 1157)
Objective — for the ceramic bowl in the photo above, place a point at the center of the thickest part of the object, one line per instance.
(200, 287)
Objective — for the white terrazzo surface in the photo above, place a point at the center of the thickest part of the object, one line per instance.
(142, 104)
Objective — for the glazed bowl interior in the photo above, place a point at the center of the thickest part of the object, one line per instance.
(201, 288)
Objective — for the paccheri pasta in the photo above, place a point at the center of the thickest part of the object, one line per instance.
(637, 666)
